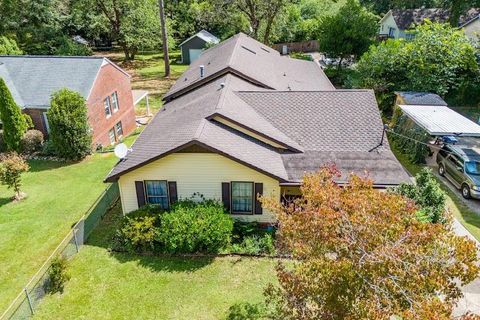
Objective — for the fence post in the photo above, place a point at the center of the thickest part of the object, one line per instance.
(30, 305)
(75, 239)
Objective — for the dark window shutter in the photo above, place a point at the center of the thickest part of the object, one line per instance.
(226, 195)
(140, 193)
(258, 192)
(172, 191)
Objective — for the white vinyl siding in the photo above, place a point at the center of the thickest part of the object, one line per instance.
(197, 173)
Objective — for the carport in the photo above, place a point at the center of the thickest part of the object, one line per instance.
(441, 121)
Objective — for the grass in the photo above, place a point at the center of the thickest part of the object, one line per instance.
(58, 194)
(466, 216)
(106, 285)
(148, 73)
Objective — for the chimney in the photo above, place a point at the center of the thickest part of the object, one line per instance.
(202, 71)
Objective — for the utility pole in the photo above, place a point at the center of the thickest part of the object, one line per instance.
(164, 38)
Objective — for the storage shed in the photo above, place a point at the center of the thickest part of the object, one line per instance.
(193, 46)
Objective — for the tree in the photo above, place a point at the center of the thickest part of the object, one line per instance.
(9, 46)
(348, 33)
(359, 253)
(14, 123)
(164, 38)
(134, 24)
(69, 129)
(439, 59)
(457, 8)
(11, 168)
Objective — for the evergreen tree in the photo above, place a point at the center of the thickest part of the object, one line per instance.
(14, 124)
(69, 129)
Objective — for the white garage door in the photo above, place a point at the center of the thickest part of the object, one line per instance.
(194, 54)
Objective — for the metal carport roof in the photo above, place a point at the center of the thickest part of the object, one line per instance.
(441, 120)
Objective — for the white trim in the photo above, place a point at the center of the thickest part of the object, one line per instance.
(470, 21)
(385, 16)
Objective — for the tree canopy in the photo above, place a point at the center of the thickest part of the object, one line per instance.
(439, 59)
(359, 253)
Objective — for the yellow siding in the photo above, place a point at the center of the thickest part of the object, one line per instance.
(197, 173)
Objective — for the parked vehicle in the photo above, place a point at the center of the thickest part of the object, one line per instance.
(461, 166)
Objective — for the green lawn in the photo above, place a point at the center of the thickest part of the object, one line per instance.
(467, 217)
(58, 195)
(106, 285)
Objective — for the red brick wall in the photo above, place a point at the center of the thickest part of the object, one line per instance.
(109, 80)
(37, 118)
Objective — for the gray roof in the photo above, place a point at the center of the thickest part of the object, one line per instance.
(312, 127)
(254, 62)
(406, 18)
(33, 79)
(421, 98)
(205, 36)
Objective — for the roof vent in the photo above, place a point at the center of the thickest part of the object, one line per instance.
(222, 85)
(249, 50)
(202, 71)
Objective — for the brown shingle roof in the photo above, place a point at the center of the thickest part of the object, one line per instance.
(254, 62)
(406, 18)
(316, 127)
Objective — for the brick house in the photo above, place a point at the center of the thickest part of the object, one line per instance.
(105, 86)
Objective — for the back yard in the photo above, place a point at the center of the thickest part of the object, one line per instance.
(107, 285)
(58, 195)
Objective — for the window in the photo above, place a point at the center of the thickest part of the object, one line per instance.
(108, 109)
(119, 129)
(111, 135)
(391, 32)
(156, 193)
(242, 197)
(115, 102)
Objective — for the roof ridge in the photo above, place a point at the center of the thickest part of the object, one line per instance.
(304, 91)
(53, 57)
(199, 130)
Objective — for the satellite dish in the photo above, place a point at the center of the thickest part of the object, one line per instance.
(121, 150)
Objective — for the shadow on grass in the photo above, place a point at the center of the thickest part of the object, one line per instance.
(43, 165)
(6, 200)
(102, 236)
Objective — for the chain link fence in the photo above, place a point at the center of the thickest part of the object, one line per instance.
(24, 305)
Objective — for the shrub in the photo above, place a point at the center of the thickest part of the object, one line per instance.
(195, 227)
(139, 233)
(3, 147)
(246, 311)
(9, 46)
(69, 129)
(67, 47)
(14, 124)
(254, 245)
(427, 194)
(28, 121)
(48, 149)
(11, 169)
(32, 141)
(58, 276)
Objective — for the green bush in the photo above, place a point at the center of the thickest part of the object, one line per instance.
(57, 276)
(48, 149)
(247, 311)
(3, 147)
(69, 129)
(195, 227)
(254, 245)
(301, 56)
(32, 142)
(427, 194)
(67, 47)
(9, 46)
(139, 233)
(13, 121)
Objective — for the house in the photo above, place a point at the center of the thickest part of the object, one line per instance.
(396, 23)
(193, 46)
(244, 120)
(472, 27)
(419, 98)
(106, 88)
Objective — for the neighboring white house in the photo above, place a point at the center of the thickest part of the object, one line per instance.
(396, 23)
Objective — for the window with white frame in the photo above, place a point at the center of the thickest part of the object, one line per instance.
(115, 102)
(156, 193)
(108, 108)
(119, 129)
(242, 197)
(111, 135)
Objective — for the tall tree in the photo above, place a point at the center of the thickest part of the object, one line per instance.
(14, 123)
(164, 38)
(134, 24)
(349, 32)
(359, 253)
